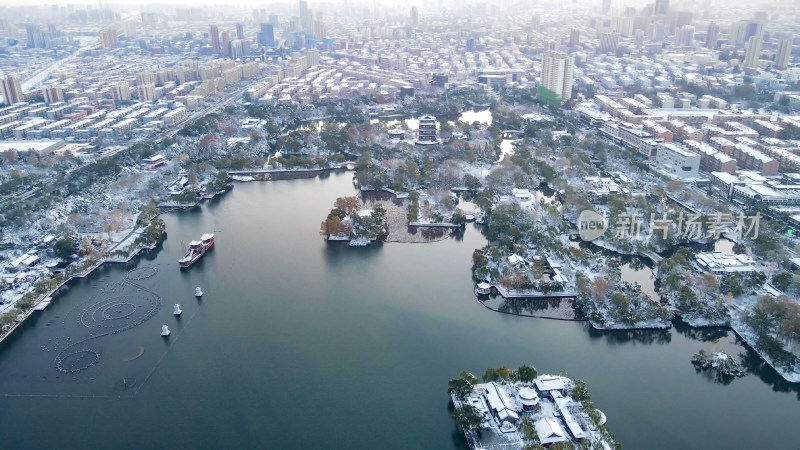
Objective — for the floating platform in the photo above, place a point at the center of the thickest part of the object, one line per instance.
(43, 304)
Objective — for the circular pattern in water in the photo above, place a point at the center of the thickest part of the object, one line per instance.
(107, 317)
(141, 273)
(120, 313)
(117, 311)
(76, 361)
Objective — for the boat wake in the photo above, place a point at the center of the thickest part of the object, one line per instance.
(141, 352)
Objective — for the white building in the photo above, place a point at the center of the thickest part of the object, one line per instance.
(557, 74)
(720, 263)
(523, 197)
(549, 431)
(39, 146)
(499, 404)
(546, 384)
(677, 162)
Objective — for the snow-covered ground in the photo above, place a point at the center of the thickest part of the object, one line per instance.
(750, 336)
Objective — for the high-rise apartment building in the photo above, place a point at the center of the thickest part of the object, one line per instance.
(226, 43)
(557, 74)
(214, 33)
(53, 94)
(743, 30)
(753, 51)
(146, 77)
(146, 92)
(12, 91)
(623, 25)
(712, 35)
(318, 29)
(305, 17)
(686, 36)
(574, 37)
(237, 49)
(121, 92)
(784, 53)
(609, 42)
(108, 38)
(36, 37)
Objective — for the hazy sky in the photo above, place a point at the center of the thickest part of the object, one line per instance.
(163, 2)
(677, 4)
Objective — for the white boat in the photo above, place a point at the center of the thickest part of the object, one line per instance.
(165, 330)
(198, 292)
(177, 309)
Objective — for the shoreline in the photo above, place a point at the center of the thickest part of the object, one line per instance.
(104, 260)
(88, 271)
(746, 338)
(563, 319)
(788, 377)
(792, 378)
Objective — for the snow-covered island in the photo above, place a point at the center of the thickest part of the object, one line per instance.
(722, 366)
(349, 221)
(524, 410)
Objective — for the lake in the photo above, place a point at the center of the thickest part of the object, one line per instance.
(301, 344)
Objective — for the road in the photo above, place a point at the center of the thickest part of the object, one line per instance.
(43, 74)
(208, 110)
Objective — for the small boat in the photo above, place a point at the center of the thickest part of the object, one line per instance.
(198, 292)
(197, 249)
(165, 330)
(177, 309)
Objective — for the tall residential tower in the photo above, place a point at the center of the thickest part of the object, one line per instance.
(12, 91)
(557, 74)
